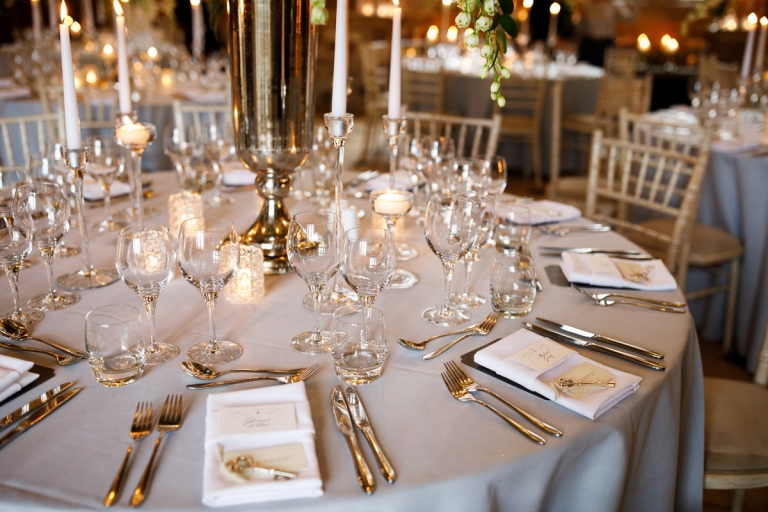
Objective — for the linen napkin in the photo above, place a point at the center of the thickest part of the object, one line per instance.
(218, 491)
(602, 270)
(14, 375)
(93, 191)
(543, 212)
(235, 174)
(498, 357)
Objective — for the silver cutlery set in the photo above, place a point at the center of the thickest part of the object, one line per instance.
(481, 329)
(17, 332)
(348, 408)
(286, 376)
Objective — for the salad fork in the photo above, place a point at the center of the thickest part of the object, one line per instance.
(286, 379)
(467, 384)
(140, 428)
(483, 329)
(422, 344)
(601, 296)
(61, 359)
(465, 396)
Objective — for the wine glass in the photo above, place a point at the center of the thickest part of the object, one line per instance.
(180, 144)
(10, 178)
(368, 262)
(451, 229)
(208, 255)
(48, 208)
(219, 141)
(485, 211)
(145, 260)
(105, 162)
(313, 252)
(16, 238)
(393, 204)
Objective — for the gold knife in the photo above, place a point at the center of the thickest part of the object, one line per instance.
(31, 406)
(343, 421)
(364, 424)
(39, 415)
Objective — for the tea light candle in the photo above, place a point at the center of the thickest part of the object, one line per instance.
(133, 134)
(392, 203)
(181, 207)
(248, 283)
(71, 114)
(123, 78)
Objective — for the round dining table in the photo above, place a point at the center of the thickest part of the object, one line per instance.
(645, 453)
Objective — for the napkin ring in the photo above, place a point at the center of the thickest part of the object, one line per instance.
(245, 465)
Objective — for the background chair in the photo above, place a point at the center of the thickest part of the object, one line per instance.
(473, 137)
(422, 90)
(621, 61)
(711, 70)
(197, 115)
(27, 135)
(375, 70)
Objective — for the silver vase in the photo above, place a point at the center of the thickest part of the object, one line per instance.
(272, 47)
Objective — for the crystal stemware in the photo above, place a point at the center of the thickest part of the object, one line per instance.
(513, 227)
(10, 178)
(145, 260)
(48, 207)
(393, 204)
(208, 255)
(136, 137)
(497, 172)
(368, 262)
(183, 147)
(104, 163)
(450, 231)
(313, 252)
(219, 141)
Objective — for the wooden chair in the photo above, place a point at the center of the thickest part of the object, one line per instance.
(375, 69)
(474, 137)
(711, 70)
(422, 90)
(735, 437)
(27, 135)
(521, 117)
(621, 61)
(666, 184)
(97, 108)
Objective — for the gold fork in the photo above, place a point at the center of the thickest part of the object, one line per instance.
(170, 420)
(464, 396)
(286, 379)
(467, 384)
(482, 330)
(140, 428)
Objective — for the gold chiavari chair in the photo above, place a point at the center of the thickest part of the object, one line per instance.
(473, 137)
(24, 136)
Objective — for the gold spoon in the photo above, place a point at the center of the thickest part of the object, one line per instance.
(16, 331)
(203, 372)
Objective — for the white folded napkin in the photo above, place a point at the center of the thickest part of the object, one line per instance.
(93, 191)
(218, 491)
(543, 212)
(497, 357)
(14, 375)
(601, 270)
(205, 96)
(380, 182)
(235, 174)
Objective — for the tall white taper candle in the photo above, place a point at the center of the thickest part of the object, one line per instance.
(761, 46)
(339, 98)
(123, 78)
(749, 48)
(393, 109)
(71, 115)
(36, 20)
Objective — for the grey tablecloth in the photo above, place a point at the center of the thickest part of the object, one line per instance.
(644, 454)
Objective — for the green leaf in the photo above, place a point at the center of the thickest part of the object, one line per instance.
(507, 6)
(509, 25)
(501, 37)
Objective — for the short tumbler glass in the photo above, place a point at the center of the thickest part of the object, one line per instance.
(358, 344)
(114, 344)
(513, 285)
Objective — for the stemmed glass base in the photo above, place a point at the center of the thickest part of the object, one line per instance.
(59, 300)
(446, 316)
(467, 300)
(130, 213)
(219, 200)
(402, 279)
(88, 279)
(305, 342)
(331, 300)
(222, 352)
(65, 251)
(405, 252)
(26, 317)
(109, 225)
(162, 352)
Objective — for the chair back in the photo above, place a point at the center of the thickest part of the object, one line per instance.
(621, 61)
(21, 137)
(711, 70)
(422, 90)
(660, 181)
(617, 92)
(653, 131)
(375, 69)
(97, 109)
(524, 99)
(474, 137)
(195, 114)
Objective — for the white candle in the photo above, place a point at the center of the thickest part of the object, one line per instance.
(749, 48)
(52, 18)
(123, 78)
(391, 203)
(133, 134)
(394, 64)
(36, 19)
(444, 23)
(761, 45)
(87, 8)
(339, 98)
(554, 11)
(197, 28)
(71, 115)
(101, 16)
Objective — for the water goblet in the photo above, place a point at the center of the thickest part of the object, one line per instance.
(393, 204)
(10, 178)
(208, 255)
(368, 262)
(104, 163)
(218, 139)
(486, 220)
(145, 260)
(313, 252)
(450, 229)
(48, 207)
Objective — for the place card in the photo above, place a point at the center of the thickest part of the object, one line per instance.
(285, 457)
(600, 264)
(542, 355)
(634, 272)
(584, 374)
(257, 419)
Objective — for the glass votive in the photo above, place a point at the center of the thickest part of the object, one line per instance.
(114, 344)
(513, 285)
(248, 284)
(358, 344)
(182, 206)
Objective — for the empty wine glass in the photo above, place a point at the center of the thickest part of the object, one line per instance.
(393, 204)
(208, 255)
(10, 178)
(145, 260)
(219, 141)
(179, 145)
(451, 229)
(48, 208)
(105, 162)
(16, 238)
(368, 262)
(313, 252)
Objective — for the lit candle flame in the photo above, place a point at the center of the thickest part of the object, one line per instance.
(118, 8)
(763, 21)
(194, 3)
(665, 39)
(554, 8)
(452, 34)
(63, 11)
(432, 32)
(752, 19)
(527, 4)
(396, 2)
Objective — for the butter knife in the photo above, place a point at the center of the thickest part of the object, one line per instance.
(38, 415)
(360, 417)
(564, 338)
(343, 421)
(599, 337)
(591, 250)
(29, 407)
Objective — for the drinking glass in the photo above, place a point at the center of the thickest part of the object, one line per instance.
(145, 261)
(450, 230)
(393, 204)
(513, 227)
(48, 208)
(219, 141)
(136, 137)
(180, 144)
(114, 344)
(105, 162)
(497, 173)
(10, 178)
(16, 239)
(313, 252)
(368, 262)
(208, 255)
(513, 285)
(358, 344)
(485, 212)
